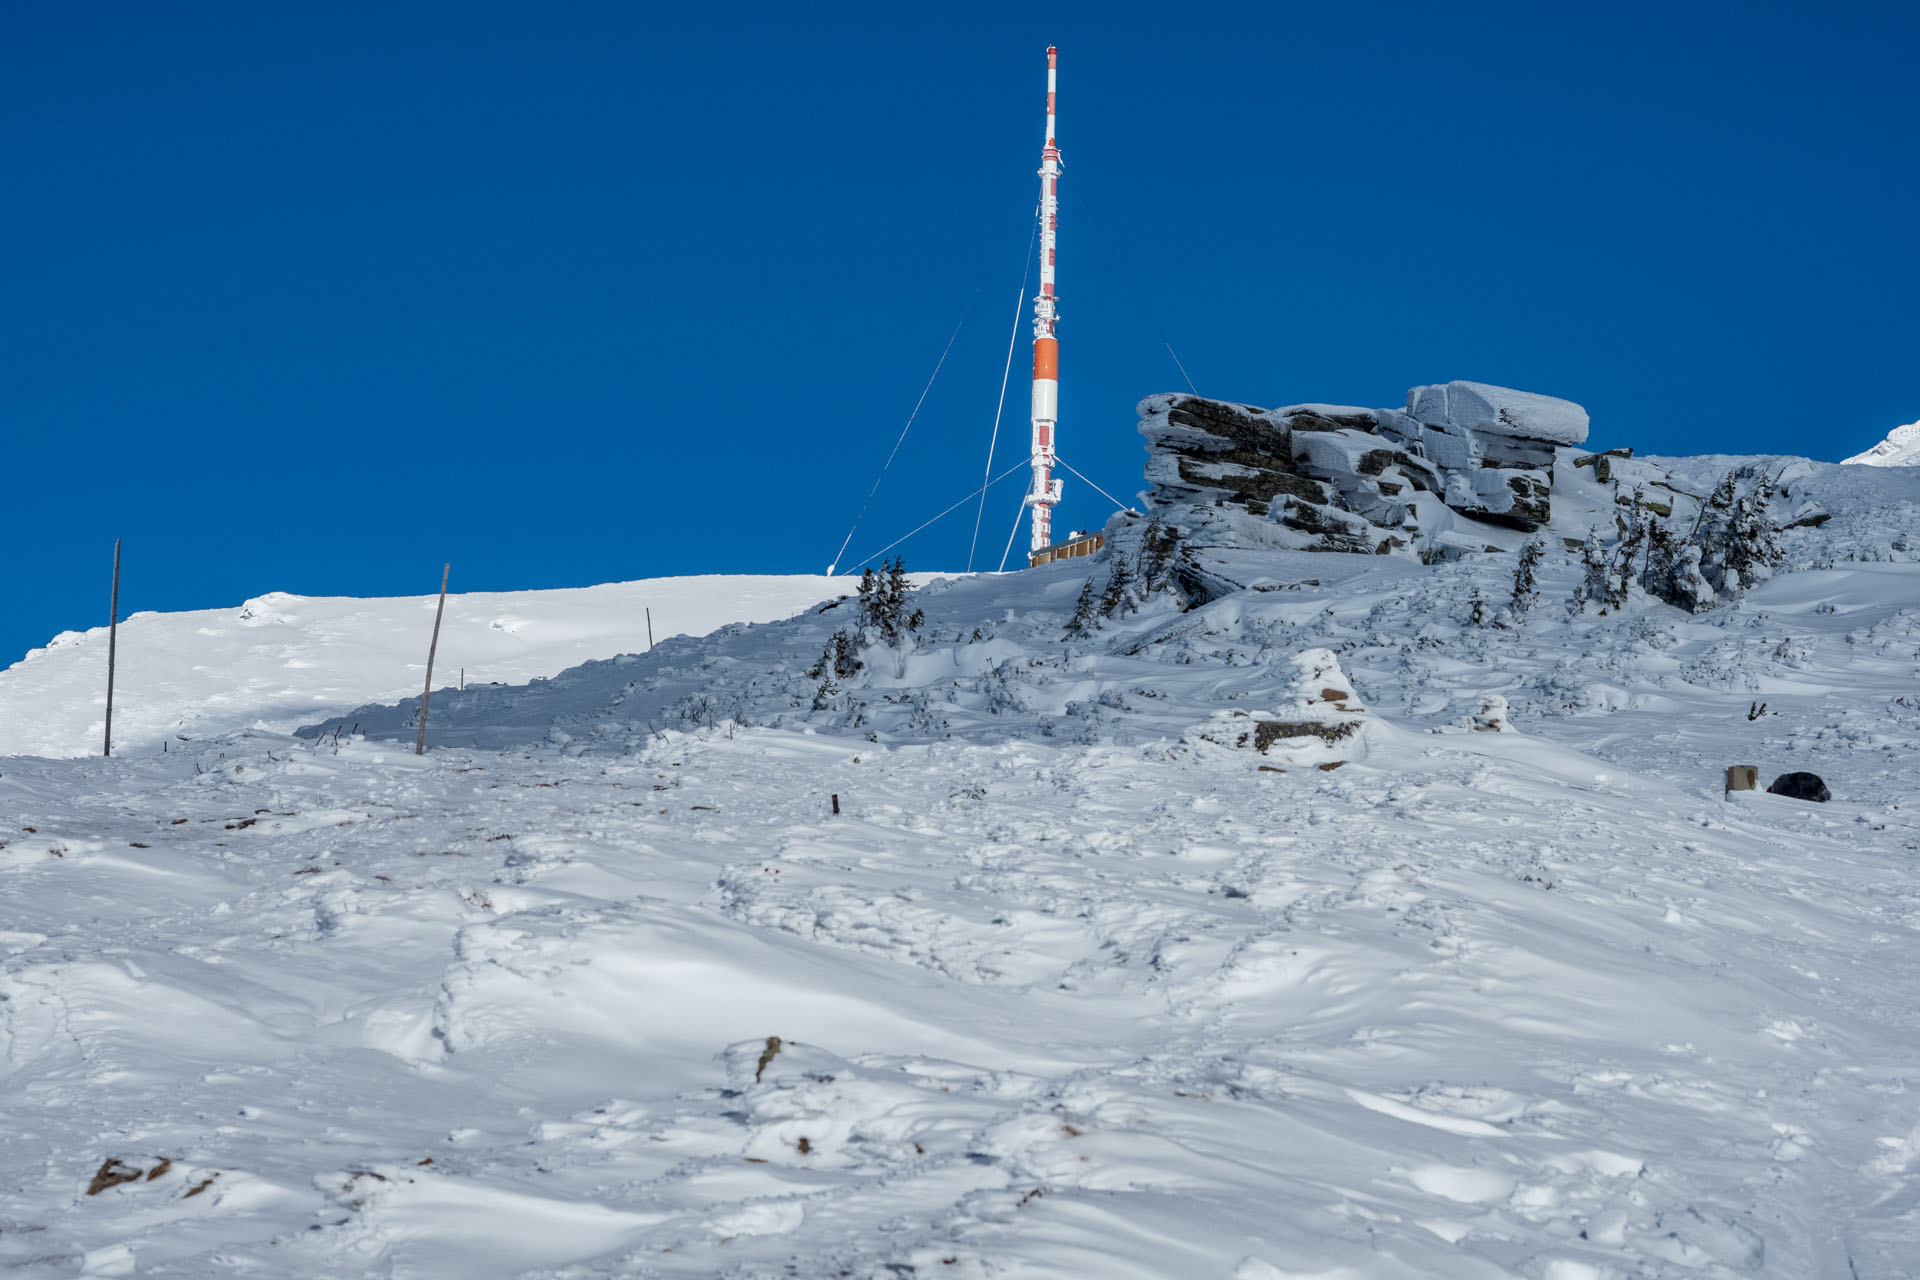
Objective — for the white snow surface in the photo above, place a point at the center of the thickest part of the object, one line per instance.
(279, 660)
(1073, 984)
(1901, 448)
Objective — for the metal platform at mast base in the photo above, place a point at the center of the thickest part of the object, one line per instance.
(1076, 544)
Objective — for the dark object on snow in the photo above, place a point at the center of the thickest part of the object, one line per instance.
(1801, 786)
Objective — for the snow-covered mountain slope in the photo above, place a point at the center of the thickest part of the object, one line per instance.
(281, 660)
(1901, 448)
(1474, 1005)
(1312, 930)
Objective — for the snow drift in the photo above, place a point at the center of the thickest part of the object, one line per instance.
(1000, 957)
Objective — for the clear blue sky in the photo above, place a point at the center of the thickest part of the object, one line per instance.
(314, 297)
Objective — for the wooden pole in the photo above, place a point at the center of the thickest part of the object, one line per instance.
(113, 640)
(649, 629)
(420, 746)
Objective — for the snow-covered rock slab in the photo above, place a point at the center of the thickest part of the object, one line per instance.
(1501, 411)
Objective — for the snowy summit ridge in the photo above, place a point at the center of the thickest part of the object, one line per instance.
(1901, 448)
(281, 660)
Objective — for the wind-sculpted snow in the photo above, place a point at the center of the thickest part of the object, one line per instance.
(1317, 930)
(1478, 1004)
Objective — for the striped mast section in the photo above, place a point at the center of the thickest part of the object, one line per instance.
(1046, 348)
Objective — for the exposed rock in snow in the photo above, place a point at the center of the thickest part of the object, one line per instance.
(1901, 448)
(1319, 721)
(1465, 461)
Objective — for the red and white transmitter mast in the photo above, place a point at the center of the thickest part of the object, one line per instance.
(1046, 348)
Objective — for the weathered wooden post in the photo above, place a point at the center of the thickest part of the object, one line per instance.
(113, 638)
(649, 630)
(420, 747)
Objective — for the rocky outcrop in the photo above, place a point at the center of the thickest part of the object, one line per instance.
(1497, 446)
(1338, 478)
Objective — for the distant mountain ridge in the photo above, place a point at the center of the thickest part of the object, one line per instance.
(1901, 448)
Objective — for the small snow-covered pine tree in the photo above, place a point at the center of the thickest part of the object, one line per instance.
(1712, 536)
(1118, 596)
(1756, 542)
(846, 658)
(1622, 570)
(840, 658)
(1593, 580)
(1660, 562)
(1083, 616)
(1157, 547)
(897, 589)
(1691, 590)
(1526, 580)
(823, 696)
(1735, 534)
(883, 603)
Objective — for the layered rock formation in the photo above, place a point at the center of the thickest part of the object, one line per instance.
(1340, 478)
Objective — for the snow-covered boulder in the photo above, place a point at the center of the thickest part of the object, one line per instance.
(1492, 715)
(1320, 722)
